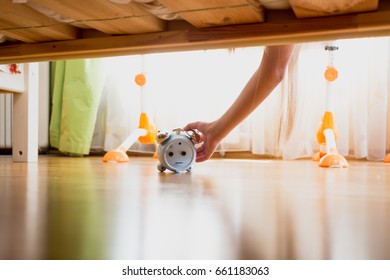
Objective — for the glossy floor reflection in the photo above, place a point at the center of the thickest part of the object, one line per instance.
(81, 208)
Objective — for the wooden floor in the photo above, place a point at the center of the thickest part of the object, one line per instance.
(82, 208)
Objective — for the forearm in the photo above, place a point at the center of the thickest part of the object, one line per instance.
(264, 80)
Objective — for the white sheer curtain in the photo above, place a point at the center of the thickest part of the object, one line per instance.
(362, 104)
(181, 87)
(201, 85)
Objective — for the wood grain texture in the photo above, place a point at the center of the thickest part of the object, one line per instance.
(106, 16)
(282, 28)
(20, 22)
(319, 8)
(82, 208)
(208, 13)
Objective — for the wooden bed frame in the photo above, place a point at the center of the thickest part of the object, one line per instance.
(99, 28)
(123, 29)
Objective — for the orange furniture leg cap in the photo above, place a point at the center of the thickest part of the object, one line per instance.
(115, 156)
(333, 161)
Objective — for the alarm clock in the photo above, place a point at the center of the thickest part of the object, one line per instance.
(176, 151)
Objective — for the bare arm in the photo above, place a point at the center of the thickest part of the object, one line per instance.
(264, 80)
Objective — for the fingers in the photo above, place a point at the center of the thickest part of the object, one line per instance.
(196, 134)
(200, 138)
(191, 126)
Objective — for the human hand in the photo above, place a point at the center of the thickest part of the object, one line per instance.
(207, 143)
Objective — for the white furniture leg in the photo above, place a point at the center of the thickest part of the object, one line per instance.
(25, 117)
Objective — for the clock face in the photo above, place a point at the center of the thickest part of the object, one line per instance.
(177, 153)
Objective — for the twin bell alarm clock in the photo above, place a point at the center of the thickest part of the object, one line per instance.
(176, 151)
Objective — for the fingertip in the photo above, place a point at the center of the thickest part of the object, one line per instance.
(187, 127)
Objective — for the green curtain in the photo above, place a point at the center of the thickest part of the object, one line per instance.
(76, 89)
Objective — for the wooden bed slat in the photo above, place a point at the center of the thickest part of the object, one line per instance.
(269, 33)
(208, 13)
(281, 27)
(318, 8)
(105, 16)
(23, 23)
